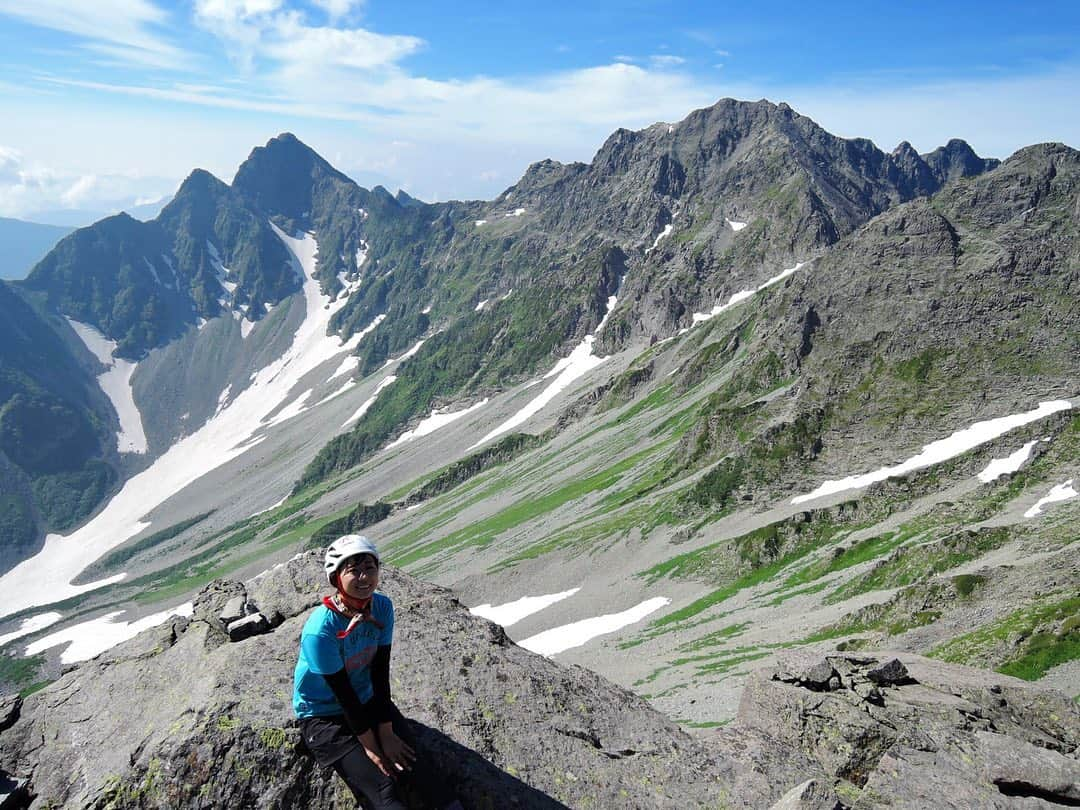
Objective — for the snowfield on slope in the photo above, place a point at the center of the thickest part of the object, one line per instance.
(941, 450)
(580, 361)
(116, 383)
(46, 577)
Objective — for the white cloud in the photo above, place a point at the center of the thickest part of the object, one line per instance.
(264, 30)
(80, 190)
(234, 9)
(665, 60)
(996, 115)
(338, 8)
(26, 187)
(296, 44)
(121, 28)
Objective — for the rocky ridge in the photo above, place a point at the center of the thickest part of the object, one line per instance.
(182, 717)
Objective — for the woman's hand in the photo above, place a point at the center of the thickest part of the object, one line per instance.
(396, 751)
(375, 754)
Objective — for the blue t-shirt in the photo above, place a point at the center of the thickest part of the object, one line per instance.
(323, 653)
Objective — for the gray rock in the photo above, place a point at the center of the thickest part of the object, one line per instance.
(1025, 769)
(810, 795)
(211, 725)
(12, 792)
(891, 673)
(235, 608)
(868, 692)
(812, 673)
(10, 706)
(942, 738)
(209, 604)
(249, 626)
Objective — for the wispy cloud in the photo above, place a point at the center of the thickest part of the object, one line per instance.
(27, 187)
(336, 9)
(264, 30)
(125, 30)
(666, 60)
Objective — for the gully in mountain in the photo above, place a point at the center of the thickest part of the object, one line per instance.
(341, 687)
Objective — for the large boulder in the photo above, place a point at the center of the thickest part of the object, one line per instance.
(902, 731)
(179, 717)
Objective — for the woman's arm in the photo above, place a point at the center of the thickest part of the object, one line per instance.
(359, 719)
(357, 715)
(381, 707)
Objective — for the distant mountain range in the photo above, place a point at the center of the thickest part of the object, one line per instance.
(25, 244)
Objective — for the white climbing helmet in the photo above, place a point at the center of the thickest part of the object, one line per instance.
(346, 546)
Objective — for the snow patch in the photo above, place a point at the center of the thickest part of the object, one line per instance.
(568, 636)
(1010, 464)
(369, 401)
(270, 508)
(480, 222)
(566, 371)
(223, 398)
(736, 226)
(664, 233)
(116, 383)
(481, 305)
(513, 612)
(426, 310)
(31, 625)
(1061, 492)
(349, 384)
(154, 272)
(517, 212)
(45, 577)
(437, 420)
(739, 297)
(349, 364)
(245, 328)
(294, 408)
(405, 356)
(941, 450)
(88, 639)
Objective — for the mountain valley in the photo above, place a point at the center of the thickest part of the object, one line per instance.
(737, 390)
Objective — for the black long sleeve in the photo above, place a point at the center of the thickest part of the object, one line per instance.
(357, 715)
(380, 709)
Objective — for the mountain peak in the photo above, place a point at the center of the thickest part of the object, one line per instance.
(200, 182)
(957, 159)
(280, 177)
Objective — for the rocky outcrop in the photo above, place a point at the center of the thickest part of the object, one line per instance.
(180, 717)
(903, 731)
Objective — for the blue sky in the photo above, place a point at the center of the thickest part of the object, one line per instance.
(113, 102)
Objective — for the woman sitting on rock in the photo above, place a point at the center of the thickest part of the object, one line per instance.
(341, 687)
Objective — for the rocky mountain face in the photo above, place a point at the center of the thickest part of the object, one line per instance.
(56, 447)
(206, 722)
(653, 206)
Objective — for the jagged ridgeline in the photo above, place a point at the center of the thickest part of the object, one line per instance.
(759, 307)
(672, 218)
(587, 227)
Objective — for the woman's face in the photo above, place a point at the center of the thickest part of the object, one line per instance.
(358, 576)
